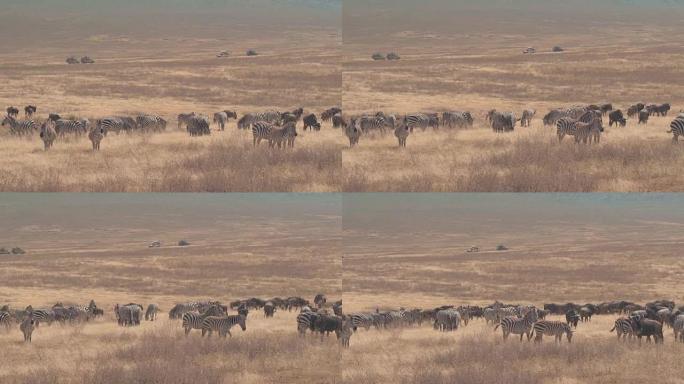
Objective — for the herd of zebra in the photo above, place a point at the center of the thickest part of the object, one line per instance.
(278, 128)
(322, 316)
(585, 123)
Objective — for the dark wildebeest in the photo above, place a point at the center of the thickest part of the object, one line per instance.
(643, 117)
(617, 118)
(648, 328)
(311, 122)
(572, 317)
(269, 309)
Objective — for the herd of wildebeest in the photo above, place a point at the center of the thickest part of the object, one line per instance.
(279, 129)
(323, 317)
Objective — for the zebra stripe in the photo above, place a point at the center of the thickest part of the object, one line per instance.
(261, 130)
(198, 126)
(27, 326)
(5, 320)
(111, 124)
(501, 121)
(402, 133)
(184, 118)
(447, 320)
(306, 320)
(152, 123)
(527, 117)
(677, 128)
(151, 312)
(551, 328)
(623, 327)
(95, 136)
(19, 127)
(193, 320)
(63, 127)
(678, 328)
(421, 121)
(457, 119)
(42, 316)
(222, 325)
(48, 134)
(518, 326)
(284, 136)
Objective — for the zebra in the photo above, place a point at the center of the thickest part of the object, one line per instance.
(527, 116)
(339, 122)
(261, 130)
(150, 122)
(19, 127)
(422, 121)
(515, 325)
(63, 127)
(6, 320)
(402, 133)
(568, 125)
(184, 118)
(283, 136)
(586, 132)
(48, 134)
(27, 326)
(677, 327)
(501, 121)
(306, 320)
(447, 320)
(330, 113)
(272, 117)
(623, 327)
(95, 136)
(505, 312)
(194, 320)
(490, 315)
(151, 312)
(221, 118)
(246, 121)
(111, 124)
(361, 320)
(353, 133)
(677, 129)
(41, 316)
(198, 126)
(222, 324)
(372, 123)
(634, 110)
(552, 328)
(457, 118)
(29, 110)
(344, 333)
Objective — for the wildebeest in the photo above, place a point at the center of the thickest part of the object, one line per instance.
(648, 328)
(310, 122)
(617, 118)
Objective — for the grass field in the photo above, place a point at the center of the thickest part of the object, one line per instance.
(468, 57)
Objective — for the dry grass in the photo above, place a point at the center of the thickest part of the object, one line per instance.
(454, 60)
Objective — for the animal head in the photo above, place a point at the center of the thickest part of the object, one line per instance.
(243, 322)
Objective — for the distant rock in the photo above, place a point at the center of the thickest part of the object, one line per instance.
(183, 243)
(530, 50)
(223, 54)
(17, 251)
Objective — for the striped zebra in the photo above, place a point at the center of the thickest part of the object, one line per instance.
(490, 315)
(501, 121)
(457, 119)
(151, 312)
(111, 124)
(64, 127)
(361, 320)
(95, 136)
(222, 324)
(19, 127)
(506, 312)
(5, 320)
(184, 118)
(527, 117)
(330, 113)
(198, 126)
(344, 333)
(193, 320)
(369, 124)
(677, 128)
(272, 117)
(48, 134)
(261, 130)
(27, 326)
(447, 320)
(402, 133)
(623, 327)
(551, 328)
(306, 320)
(518, 326)
(677, 327)
(41, 316)
(152, 123)
(422, 121)
(353, 133)
(221, 118)
(586, 132)
(283, 136)
(568, 125)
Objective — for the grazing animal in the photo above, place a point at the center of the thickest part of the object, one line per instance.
(585, 314)
(527, 117)
(184, 118)
(501, 121)
(330, 113)
(19, 127)
(422, 121)
(48, 134)
(647, 327)
(306, 320)
(111, 124)
(319, 300)
(64, 127)
(605, 108)
(447, 320)
(29, 110)
(269, 309)
(457, 119)
(198, 126)
(643, 117)
(194, 320)
(151, 312)
(310, 122)
(551, 328)
(27, 326)
(152, 123)
(623, 328)
(339, 122)
(283, 136)
(586, 132)
(617, 118)
(222, 324)
(221, 118)
(677, 129)
(402, 133)
(261, 130)
(326, 324)
(677, 327)
(353, 133)
(95, 136)
(5, 320)
(572, 317)
(517, 326)
(12, 111)
(344, 333)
